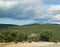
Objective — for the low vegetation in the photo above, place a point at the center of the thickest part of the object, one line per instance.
(42, 32)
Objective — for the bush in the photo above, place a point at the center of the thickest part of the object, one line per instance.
(46, 36)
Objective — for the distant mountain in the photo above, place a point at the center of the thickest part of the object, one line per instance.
(6, 25)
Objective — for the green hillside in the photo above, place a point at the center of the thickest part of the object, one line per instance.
(28, 29)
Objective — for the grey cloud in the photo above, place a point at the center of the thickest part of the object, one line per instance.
(29, 10)
(22, 10)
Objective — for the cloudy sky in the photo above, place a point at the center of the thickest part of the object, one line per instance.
(23, 12)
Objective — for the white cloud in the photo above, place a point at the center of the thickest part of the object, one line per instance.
(7, 4)
(55, 22)
(56, 17)
(54, 8)
(54, 12)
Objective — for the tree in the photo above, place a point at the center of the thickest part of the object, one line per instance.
(46, 35)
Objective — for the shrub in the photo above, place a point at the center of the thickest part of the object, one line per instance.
(46, 35)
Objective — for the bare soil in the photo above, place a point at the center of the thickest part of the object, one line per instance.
(33, 44)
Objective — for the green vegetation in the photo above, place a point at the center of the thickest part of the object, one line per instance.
(46, 36)
(24, 33)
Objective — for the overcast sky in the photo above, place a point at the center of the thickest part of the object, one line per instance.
(23, 12)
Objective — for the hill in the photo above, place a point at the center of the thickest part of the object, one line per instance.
(6, 25)
(36, 28)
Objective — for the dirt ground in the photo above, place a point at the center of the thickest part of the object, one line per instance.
(33, 44)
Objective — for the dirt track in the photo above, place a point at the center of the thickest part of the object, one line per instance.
(33, 44)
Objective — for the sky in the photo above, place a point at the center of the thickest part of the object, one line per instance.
(22, 12)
